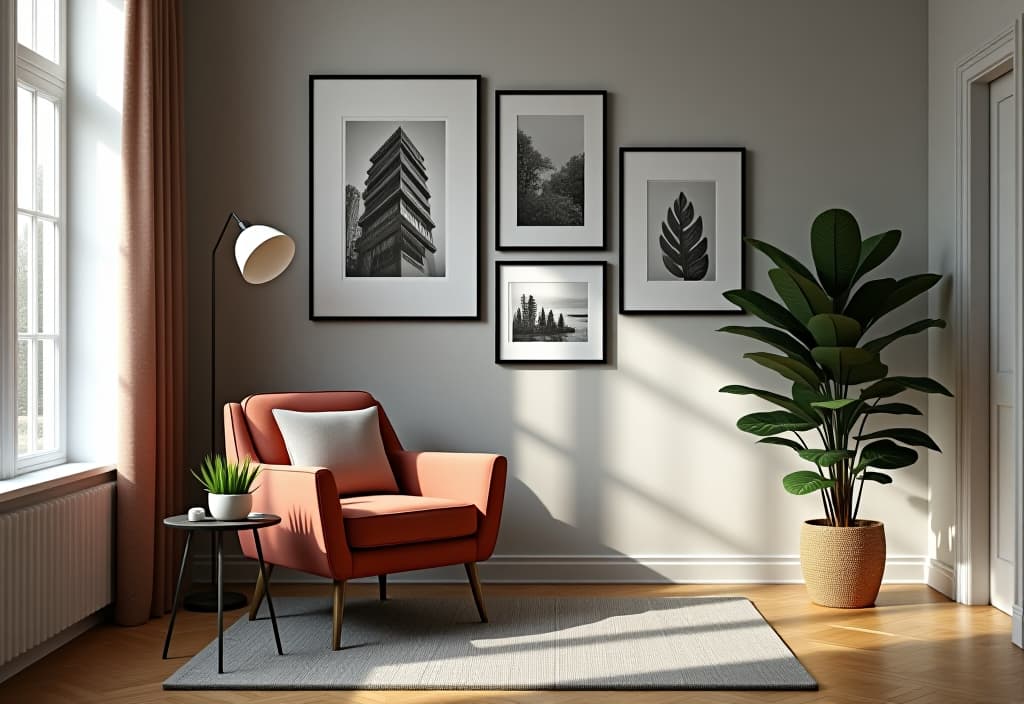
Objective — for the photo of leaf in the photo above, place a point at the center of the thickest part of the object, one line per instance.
(681, 224)
(684, 248)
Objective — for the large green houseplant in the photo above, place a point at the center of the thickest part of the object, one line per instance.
(839, 383)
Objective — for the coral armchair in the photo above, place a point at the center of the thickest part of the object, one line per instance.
(447, 511)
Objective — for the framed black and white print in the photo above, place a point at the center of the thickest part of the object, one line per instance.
(394, 197)
(550, 312)
(681, 223)
(550, 169)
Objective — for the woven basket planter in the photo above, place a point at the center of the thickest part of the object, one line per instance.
(842, 567)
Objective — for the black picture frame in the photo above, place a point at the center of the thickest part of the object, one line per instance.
(478, 238)
(498, 242)
(511, 263)
(623, 151)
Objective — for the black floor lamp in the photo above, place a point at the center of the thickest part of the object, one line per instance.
(262, 254)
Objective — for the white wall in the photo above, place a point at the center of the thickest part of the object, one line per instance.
(639, 457)
(96, 74)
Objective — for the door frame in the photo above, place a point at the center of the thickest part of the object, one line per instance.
(971, 321)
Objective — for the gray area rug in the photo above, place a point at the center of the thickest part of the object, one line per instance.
(530, 643)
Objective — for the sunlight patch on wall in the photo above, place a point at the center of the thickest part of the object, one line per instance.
(109, 52)
(543, 409)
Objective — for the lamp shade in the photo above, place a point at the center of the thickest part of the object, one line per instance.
(263, 253)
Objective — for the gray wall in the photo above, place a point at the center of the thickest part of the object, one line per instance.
(639, 457)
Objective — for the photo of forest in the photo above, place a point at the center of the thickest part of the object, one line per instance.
(549, 312)
(550, 170)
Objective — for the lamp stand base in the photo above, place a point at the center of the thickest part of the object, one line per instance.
(206, 602)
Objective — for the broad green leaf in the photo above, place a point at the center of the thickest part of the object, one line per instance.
(807, 397)
(805, 482)
(792, 369)
(780, 258)
(908, 289)
(885, 454)
(778, 399)
(881, 343)
(864, 305)
(896, 409)
(907, 436)
(834, 330)
(905, 290)
(784, 442)
(772, 423)
(835, 247)
(836, 404)
(878, 477)
(872, 371)
(875, 250)
(803, 297)
(825, 458)
(771, 312)
(840, 360)
(776, 338)
(896, 384)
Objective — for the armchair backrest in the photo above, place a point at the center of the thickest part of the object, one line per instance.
(265, 441)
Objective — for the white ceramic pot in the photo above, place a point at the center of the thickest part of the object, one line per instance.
(230, 507)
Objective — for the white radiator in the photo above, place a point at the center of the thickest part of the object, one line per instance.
(56, 562)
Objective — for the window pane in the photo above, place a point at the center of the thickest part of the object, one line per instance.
(46, 155)
(24, 253)
(47, 29)
(46, 395)
(25, 23)
(23, 436)
(26, 198)
(47, 292)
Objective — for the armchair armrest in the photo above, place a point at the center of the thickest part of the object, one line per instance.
(475, 478)
(311, 534)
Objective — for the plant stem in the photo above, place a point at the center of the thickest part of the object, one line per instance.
(824, 495)
(860, 493)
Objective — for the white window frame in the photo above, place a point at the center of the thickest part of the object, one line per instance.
(49, 79)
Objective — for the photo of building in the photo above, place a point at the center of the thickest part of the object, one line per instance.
(394, 236)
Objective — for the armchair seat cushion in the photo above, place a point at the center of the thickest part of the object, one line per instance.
(382, 520)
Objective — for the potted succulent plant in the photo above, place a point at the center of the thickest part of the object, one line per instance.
(229, 485)
(839, 385)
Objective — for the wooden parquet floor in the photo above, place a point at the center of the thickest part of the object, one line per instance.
(914, 647)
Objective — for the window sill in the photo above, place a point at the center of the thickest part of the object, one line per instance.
(42, 484)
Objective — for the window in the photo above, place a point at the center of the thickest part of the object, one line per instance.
(40, 233)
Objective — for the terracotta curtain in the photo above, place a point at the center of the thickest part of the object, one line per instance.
(152, 352)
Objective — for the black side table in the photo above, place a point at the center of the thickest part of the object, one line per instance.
(218, 528)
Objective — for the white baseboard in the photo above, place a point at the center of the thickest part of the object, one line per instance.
(939, 576)
(651, 569)
(1017, 627)
(30, 657)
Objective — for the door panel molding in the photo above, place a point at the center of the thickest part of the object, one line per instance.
(970, 308)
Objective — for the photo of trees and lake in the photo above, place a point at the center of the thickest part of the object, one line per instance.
(549, 170)
(548, 311)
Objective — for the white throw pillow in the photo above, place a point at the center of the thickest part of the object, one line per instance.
(346, 442)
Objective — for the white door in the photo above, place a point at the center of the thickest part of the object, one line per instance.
(1003, 332)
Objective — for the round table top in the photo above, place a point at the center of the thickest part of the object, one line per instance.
(181, 521)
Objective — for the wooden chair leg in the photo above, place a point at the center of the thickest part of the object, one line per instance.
(338, 613)
(258, 592)
(382, 584)
(478, 595)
